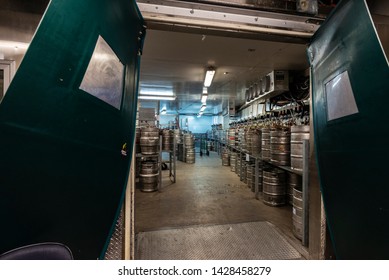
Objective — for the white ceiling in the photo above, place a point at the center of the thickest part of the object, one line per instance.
(179, 60)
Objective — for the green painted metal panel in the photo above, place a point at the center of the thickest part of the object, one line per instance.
(351, 141)
(62, 170)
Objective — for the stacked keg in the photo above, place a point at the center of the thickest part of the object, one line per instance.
(222, 136)
(149, 171)
(167, 140)
(243, 173)
(293, 181)
(189, 148)
(260, 179)
(178, 136)
(253, 141)
(250, 176)
(274, 181)
(242, 139)
(233, 157)
(225, 157)
(137, 151)
(149, 176)
(231, 137)
(280, 146)
(299, 133)
(298, 212)
(238, 165)
(237, 140)
(266, 143)
(149, 140)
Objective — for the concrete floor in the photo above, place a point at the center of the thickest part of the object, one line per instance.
(207, 193)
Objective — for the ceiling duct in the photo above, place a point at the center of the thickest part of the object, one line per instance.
(222, 16)
(273, 84)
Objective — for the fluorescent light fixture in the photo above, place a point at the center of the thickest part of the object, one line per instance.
(150, 97)
(204, 95)
(14, 45)
(209, 77)
(157, 93)
(203, 107)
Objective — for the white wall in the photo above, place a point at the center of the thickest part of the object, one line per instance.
(195, 124)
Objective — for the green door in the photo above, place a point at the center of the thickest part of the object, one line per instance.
(350, 86)
(65, 123)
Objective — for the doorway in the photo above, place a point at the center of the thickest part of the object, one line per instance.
(7, 72)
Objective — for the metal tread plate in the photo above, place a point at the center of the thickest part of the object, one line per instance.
(243, 241)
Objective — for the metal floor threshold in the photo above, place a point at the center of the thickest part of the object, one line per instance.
(243, 241)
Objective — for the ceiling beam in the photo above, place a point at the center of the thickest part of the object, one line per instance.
(227, 19)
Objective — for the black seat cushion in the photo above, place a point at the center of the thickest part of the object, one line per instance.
(41, 251)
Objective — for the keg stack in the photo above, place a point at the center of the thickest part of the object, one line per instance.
(266, 143)
(237, 140)
(250, 176)
(189, 148)
(298, 212)
(231, 137)
(274, 180)
(149, 141)
(233, 157)
(178, 136)
(238, 165)
(137, 151)
(179, 144)
(242, 139)
(258, 192)
(299, 133)
(167, 140)
(149, 171)
(294, 181)
(253, 141)
(280, 146)
(243, 166)
(225, 157)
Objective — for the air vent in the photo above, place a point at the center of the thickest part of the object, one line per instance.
(266, 84)
(278, 81)
(256, 90)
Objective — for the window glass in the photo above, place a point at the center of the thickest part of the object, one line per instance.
(104, 75)
(340, 97)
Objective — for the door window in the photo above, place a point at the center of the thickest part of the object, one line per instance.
(104, 75)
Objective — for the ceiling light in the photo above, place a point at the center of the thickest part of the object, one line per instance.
(157, 93)
(14, 45)
(204, 95)
(209, 77)
(153, 97)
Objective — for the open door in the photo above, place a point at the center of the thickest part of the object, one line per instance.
(350, 79)
(7, 72)
(67, 124)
